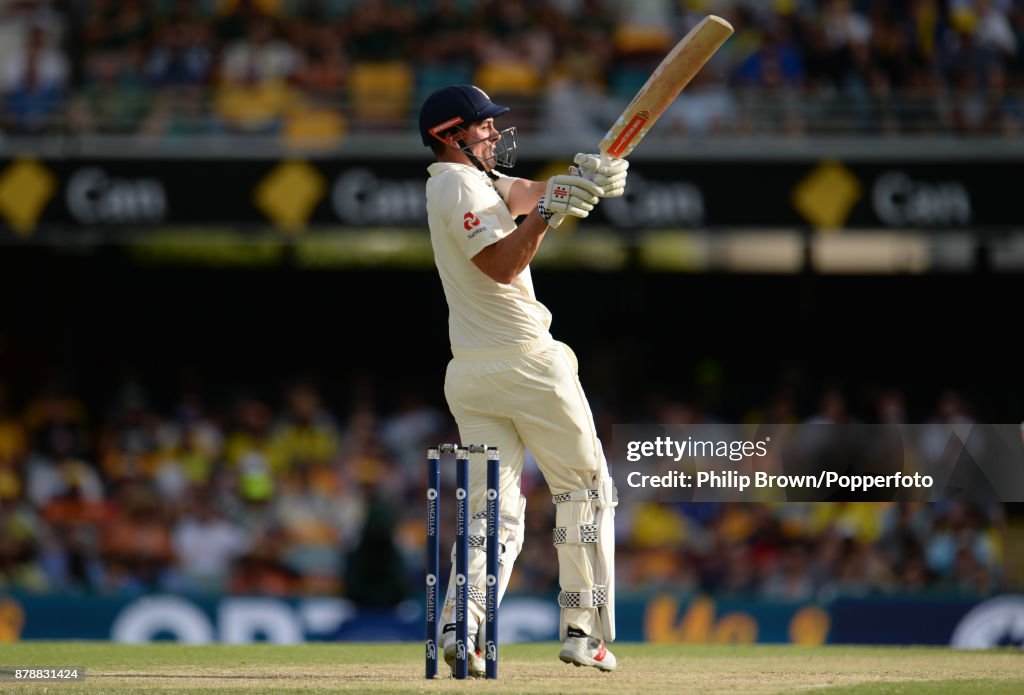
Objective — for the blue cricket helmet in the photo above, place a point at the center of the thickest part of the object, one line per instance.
(458, 104)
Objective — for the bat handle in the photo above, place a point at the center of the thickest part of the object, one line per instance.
(604, 159)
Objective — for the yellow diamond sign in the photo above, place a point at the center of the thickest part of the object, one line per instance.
(289, 193)
(26, 186)
(826, 196)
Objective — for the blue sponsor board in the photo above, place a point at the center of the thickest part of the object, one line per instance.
(895, 620)
(960, 622)
(652, 617)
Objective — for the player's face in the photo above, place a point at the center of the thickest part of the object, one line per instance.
(484, 136)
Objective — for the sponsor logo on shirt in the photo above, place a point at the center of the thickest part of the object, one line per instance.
(472, 224)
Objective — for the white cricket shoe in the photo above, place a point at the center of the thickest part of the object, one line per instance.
(477, 666)
(583, 650)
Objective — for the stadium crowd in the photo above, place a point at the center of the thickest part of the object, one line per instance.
(330, 67)
(297, 498)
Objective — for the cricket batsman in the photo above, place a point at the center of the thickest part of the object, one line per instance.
(510, 384)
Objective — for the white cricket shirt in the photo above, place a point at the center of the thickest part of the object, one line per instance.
(466, 215)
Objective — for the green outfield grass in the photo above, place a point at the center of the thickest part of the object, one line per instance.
(524, 668)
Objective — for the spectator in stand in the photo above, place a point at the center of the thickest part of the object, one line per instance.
(114, 98)
(21, 539)
(261, 571)
(414, 421)
(789, 577)
(770, 79)
(114, 27)
(14, 447)
(254, 92)
(35, 84)
(446, 35)
(323, 67)
(326, 498)
(181, 463)
(206, 545)
(55, 471)
(70, 545)
(179, 67)
(314, 517)
(964, 549)
(135, 542)
(233, 19)
(834, 66)
(776, 63)
(127, 444)
(181, 55)
(517, 33)
(306, 435)
(262, 55)
(251, 457)
(375, 575)
(379, 30)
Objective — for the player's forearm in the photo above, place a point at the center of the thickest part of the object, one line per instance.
(523, 196)
(504, 260)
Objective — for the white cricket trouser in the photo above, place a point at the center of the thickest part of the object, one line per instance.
(529, 397)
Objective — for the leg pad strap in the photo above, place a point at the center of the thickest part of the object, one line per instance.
(586, 598)
(577, 496)
(475, 595)
(584, 533)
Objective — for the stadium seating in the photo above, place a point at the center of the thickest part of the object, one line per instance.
(381, 94)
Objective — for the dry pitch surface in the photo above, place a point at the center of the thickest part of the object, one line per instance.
(524, 668)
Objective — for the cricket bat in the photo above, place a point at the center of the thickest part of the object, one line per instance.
(668, 79)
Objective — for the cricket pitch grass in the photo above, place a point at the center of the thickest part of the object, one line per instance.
(524, 668)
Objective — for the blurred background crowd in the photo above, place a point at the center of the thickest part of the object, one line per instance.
(123, 491)
(327, 68)
(291, 495)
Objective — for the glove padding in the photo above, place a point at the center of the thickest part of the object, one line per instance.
(611, 177)
(567, 195)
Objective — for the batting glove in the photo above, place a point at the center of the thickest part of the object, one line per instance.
(611, 177)
(567, 195)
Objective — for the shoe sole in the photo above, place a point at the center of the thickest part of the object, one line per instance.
(473, 673)
(578, 661)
